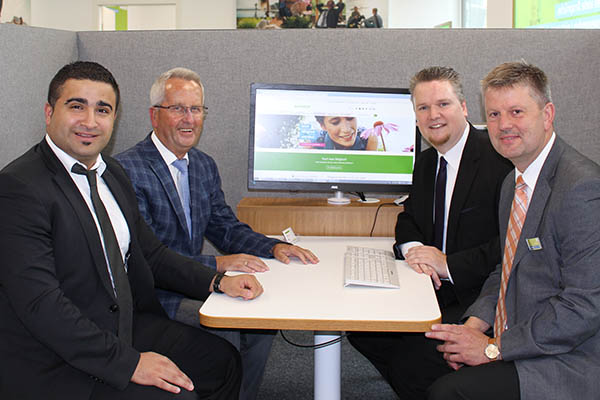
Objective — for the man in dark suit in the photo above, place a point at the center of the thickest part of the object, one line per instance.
(177, 114)
(80, 318)
(543, 300)
(333, 12)
(449, 232)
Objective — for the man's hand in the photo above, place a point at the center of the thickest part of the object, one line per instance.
(428, 260)
(241, 262)
(156, 370)
(282, 252)
(245, 286)
(463, 344)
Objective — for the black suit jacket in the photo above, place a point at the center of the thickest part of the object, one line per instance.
(59, 323)
(472, 244)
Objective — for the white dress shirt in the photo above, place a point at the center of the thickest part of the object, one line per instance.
(169, 158)
(453, 157)
(112, 207)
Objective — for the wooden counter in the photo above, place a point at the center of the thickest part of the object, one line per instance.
(315, 217)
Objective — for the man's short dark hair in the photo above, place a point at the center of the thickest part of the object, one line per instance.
(438, 74)
(81, 70)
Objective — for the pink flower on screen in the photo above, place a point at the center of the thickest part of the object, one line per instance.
(377, 130)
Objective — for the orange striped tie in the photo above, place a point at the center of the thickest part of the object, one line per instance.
(513, 232)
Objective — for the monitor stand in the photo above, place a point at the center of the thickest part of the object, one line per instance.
(338, 198)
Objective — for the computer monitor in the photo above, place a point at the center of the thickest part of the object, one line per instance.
(323, 138)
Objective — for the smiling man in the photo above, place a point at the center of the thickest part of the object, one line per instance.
(80, 317)
(448, 229)
(179, 194)
(534, 331)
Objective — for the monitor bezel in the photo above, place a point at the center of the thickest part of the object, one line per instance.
(320, 186)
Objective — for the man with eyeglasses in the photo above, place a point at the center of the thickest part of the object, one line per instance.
(179, 193)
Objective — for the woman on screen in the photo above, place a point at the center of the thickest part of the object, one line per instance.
(343, 135)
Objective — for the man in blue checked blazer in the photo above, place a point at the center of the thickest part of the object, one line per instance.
(179, 194)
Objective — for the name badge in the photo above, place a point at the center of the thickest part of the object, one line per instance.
(534, 244)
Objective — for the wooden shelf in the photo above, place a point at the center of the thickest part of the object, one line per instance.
(315, 217)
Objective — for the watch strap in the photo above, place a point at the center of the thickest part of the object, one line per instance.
(217, 283)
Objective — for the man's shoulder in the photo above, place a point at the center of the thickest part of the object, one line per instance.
(136, 153)
(480, 139)
(28, 166)
(201, 160)
(572, 167)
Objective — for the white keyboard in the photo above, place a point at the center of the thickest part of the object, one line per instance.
(370, 267)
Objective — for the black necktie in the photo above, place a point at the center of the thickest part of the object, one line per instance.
(440, 205)
(115, 259)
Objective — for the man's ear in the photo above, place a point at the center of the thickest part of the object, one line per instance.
(153, 116)
(549, 112)
(48, 110)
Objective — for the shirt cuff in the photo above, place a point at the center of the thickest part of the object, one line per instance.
(404, 247)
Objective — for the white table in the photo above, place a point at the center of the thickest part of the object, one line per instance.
(313, 297)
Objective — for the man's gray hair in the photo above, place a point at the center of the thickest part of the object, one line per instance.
(157, 91)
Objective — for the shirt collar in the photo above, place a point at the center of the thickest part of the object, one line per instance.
(532, 172)
(165, 153)
(453, 155)
(67, 161)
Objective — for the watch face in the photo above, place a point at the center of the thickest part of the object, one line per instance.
(491, 351)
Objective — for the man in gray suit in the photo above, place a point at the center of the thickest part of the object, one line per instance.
(543, 302)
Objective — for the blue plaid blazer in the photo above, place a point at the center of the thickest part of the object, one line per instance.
(212, 218)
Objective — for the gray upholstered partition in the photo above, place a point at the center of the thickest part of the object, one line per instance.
(228, 61)
(29, 58)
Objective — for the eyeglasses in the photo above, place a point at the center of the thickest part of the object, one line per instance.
(180, 111)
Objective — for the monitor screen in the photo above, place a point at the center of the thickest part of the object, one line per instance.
(306, 137)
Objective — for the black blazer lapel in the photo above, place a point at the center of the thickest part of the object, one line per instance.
(67, 186)
(428, 186)
(469, 165)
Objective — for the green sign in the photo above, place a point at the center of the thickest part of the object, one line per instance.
(329, 162)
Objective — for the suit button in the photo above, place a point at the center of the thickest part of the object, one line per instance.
(113, 308)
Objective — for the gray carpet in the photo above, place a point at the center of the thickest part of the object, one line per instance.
(289, 372)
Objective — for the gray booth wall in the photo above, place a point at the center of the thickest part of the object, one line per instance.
(228, 61)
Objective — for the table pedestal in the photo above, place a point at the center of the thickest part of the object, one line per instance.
(328, 366)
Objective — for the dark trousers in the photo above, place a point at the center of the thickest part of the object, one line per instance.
(409, 362)
(211, 362)
(497, 380)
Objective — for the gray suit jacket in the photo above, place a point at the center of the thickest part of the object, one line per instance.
(553, 294)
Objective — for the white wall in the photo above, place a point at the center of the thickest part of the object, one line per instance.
(424, 13)
(499, 14)
(16, 8)
(71, 15)
(82, 15)
(151, 17)
(203, 14)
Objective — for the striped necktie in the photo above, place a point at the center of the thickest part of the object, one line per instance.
(513, 232)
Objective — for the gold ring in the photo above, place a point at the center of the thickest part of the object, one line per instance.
(245, 263)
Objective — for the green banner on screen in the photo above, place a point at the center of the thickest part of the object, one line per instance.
(392, 164)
